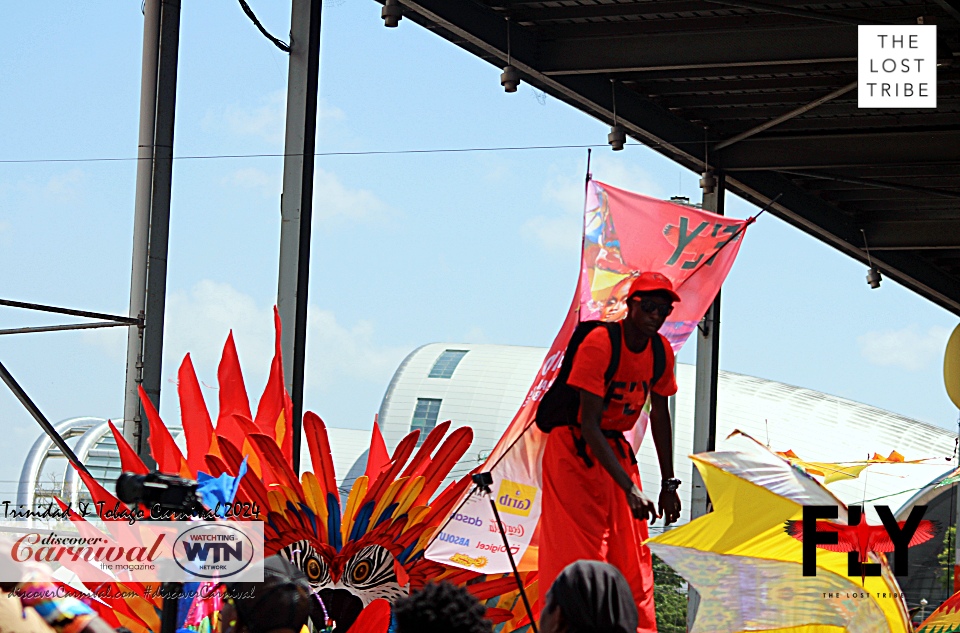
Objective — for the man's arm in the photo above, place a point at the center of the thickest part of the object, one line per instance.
(662, 431)
(591, 410)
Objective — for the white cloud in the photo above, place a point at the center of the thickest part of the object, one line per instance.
(908, 348)
(64, 187)
(337, 354)
(257, 179)
(332, 200)
(267, 119)
(344, 359)
(562, 231)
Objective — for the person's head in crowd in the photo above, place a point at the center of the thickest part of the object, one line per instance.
(440, 608)
(589, 597)
(280, 604)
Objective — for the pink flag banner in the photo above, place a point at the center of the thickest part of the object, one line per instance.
(624, 234)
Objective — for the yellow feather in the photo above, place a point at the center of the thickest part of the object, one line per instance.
(406, 498)
(416, 515)
(356, 495)
(311, 488)
(387, 499)
(425, 538)
(277, 500)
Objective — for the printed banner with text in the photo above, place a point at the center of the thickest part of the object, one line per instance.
(624, 234)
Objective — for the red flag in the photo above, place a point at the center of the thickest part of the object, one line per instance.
(130, 462)
(194, 415)
(378, 457)
(233, 393)
(624, 234)
(274, 416)
(164, 450)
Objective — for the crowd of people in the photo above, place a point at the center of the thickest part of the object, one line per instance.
(587, 597)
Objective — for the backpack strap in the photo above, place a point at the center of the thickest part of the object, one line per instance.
(616, 340)
(659, 360)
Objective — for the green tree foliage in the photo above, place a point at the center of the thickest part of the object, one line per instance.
(670, 598)
(946, 557)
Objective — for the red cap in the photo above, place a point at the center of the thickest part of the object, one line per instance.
(652, 282)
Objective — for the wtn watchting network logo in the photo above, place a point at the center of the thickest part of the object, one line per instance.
(213, 550)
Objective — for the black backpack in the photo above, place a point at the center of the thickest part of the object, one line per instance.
(560, 405)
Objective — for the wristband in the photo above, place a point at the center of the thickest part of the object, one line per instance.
(670, 485)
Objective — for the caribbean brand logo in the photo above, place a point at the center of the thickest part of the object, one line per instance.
(468, 561)
(858, 539)
(514, 498)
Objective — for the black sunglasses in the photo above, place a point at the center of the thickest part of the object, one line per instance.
(649, 306)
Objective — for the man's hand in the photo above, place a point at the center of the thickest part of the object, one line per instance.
(669, 506)
(641, 505)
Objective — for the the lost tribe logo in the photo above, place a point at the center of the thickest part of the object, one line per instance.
(857, 538)
(706, 237)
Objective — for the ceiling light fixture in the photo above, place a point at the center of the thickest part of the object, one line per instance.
(873, 275)
(617, 136)
(510, 77)
(392, 13)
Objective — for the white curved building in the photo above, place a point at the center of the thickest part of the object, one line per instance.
(482, 386)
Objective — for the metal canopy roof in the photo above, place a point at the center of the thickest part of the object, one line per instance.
(696, 74)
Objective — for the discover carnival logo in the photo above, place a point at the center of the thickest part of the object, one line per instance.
(213, 550)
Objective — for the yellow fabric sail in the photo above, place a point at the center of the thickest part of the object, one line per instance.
(748, 570)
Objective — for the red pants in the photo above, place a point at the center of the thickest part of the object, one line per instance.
(585, 516)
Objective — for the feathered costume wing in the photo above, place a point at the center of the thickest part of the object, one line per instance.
(370, 549)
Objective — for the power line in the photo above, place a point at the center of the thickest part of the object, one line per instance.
(446, 150)
(278, 43)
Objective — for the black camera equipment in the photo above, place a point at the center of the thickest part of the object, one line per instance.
(156, 489)
(483, 482)
(170, 493)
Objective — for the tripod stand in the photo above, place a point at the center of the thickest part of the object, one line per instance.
(483, 482)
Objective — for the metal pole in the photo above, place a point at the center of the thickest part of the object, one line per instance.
(160, 207)
(705, 398)
(296, 202)
(149, 276)
(41, 419)
(141, 218)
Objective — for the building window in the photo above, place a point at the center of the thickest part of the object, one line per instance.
(446, 363)
(425, 417)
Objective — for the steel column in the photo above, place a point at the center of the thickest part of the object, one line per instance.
(296, 202)
(705, 398)
(161, 36)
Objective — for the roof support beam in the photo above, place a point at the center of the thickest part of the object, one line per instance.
(820, 219)
(913, 235)
(634, 53)
(786, 153)
(786, 117)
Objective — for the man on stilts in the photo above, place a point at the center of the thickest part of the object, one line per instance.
(593, 503)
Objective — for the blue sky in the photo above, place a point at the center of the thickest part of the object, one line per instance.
(407, 249)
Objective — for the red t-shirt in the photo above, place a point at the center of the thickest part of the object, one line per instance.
(631, 383)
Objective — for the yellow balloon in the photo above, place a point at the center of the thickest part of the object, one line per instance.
(951, 367)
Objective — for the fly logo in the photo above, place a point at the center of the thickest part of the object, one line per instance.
(516, 498)
(858, 539)
(696, 242)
